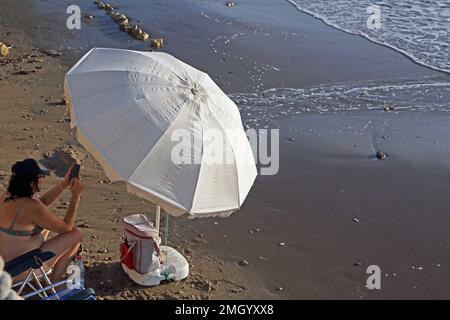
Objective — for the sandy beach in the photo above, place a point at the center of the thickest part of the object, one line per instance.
(332, 210)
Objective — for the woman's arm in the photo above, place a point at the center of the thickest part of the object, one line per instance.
(44, 218)
(50, 196)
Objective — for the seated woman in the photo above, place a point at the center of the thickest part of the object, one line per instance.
(26, 220)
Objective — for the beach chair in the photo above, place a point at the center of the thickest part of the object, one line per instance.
(37, 281)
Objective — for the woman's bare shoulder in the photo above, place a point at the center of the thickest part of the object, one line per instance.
(34, 205)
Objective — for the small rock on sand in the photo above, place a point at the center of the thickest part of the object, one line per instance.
(100, 4)
(355, 220)
(108, 7)
(244, 262)
(23, 72)
(157, 43)
(4, 50)
(102, 250)
(230, 4)
(84, 225)
(125, 27)
(136, 30)
(262, 258)
(144, 36)
(281, 244)
(381, 155)
(52, 53)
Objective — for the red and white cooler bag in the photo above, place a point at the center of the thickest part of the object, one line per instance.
(140, 250)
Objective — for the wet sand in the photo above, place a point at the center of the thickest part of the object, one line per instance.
(326, 176)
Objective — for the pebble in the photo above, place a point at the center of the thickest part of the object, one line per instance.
(280, 289)
(281, 244)
(230, 4)
(355, 220)
(84, 225)
(357, 264)
(100, 4)
(4, 50)
(244, 262)
(380, 155)
(102, 250)
(262, 258)
(125, 27)
(52, 53)
(22, 72)
(157, 43)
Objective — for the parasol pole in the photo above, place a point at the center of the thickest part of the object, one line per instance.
(158, 216)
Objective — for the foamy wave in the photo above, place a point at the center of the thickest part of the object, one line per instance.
(259, 109)
(417, 29)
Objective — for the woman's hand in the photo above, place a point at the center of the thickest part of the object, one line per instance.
(66, 181)
(76, 187)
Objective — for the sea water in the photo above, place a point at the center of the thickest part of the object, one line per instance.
(418, 29)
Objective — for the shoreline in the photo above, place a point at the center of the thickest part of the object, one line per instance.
(295, 207)
(367, 37)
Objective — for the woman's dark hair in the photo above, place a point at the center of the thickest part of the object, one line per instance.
(23, 174)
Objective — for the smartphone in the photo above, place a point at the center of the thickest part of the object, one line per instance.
(75, 172)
